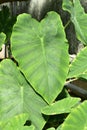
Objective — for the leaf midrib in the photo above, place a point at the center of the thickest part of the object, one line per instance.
(45, 58)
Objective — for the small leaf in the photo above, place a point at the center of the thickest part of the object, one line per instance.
(40, 49)
(51, 128)
(77, 119)
(62, 106)
(17, 96)
(59, 127)
(79, 64)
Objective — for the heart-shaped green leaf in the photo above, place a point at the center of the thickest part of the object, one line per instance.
(16, 123)
(17, 96)
(78, 17)
(2, 39)
(62, 106)
(42, 53)
(77, 119)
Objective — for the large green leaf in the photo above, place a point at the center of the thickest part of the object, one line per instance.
(78, 17)
(62, 106)
(16, 123)
(42, 53)
(77, 119)
(2, 39)
(79, 64)
(17, 96)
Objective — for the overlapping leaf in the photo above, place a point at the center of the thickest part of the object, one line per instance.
(77, 119)
(62, 106)
(78, 17)
(79, 65)
(42, 53)
(16, 96)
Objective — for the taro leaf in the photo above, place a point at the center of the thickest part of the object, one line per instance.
(79, 64)
(17, 96)
(62, 106)
(78, 17)
(17, 123)
(42, 53)
(77, 119)
(2, 39)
